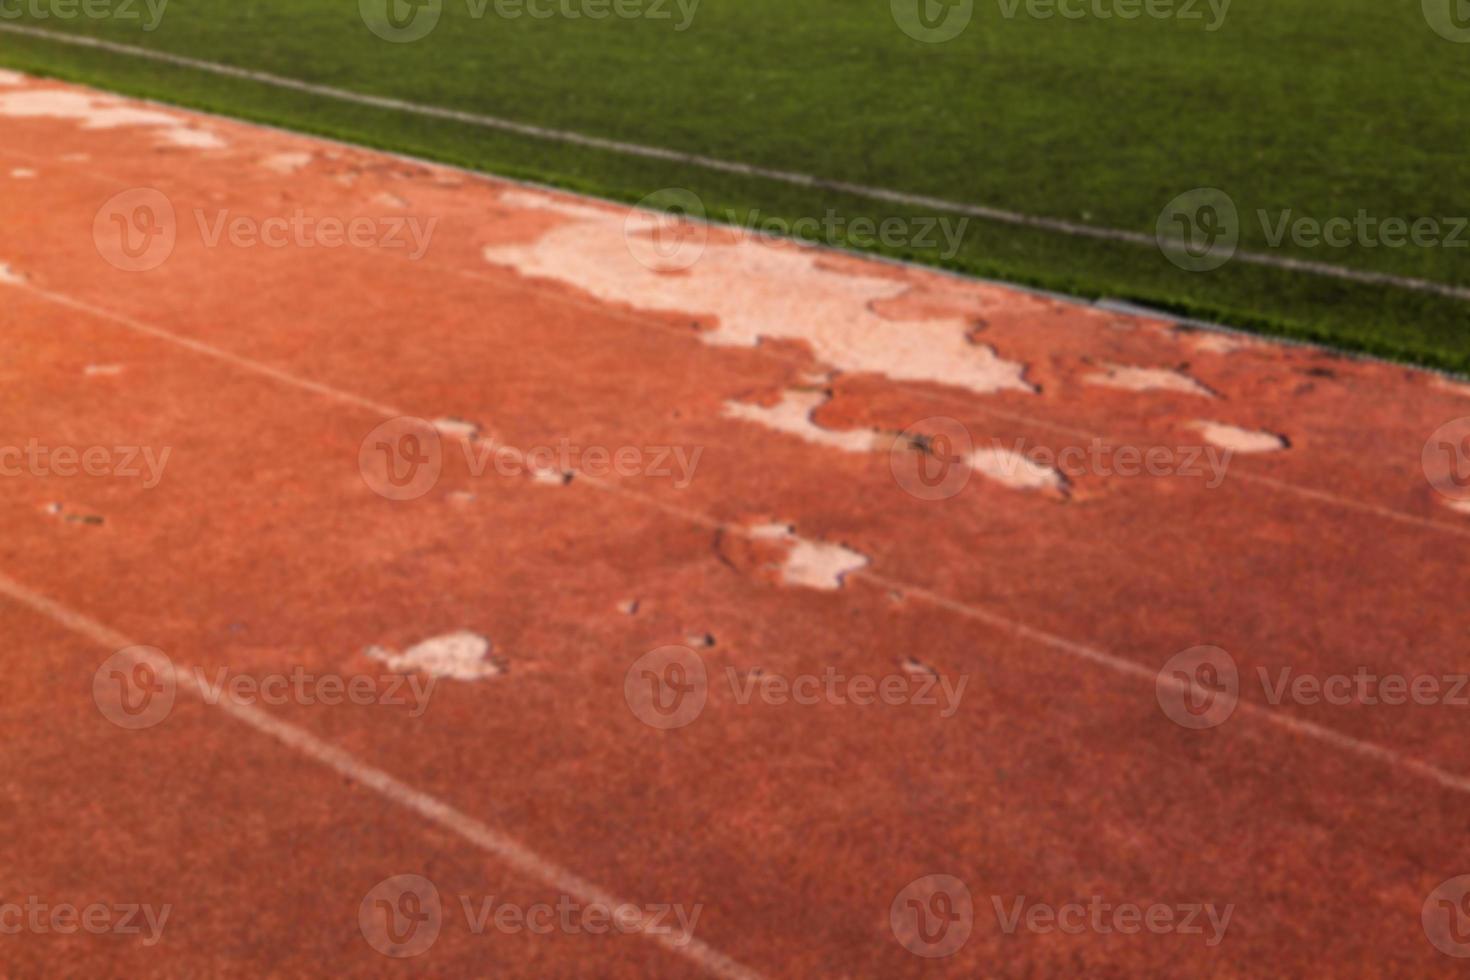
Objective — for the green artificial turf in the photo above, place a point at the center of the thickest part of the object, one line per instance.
(1326, 109)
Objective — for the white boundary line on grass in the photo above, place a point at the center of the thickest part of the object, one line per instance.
(1060, 644)
(507, 849)
(1106, 304)
(984, 212)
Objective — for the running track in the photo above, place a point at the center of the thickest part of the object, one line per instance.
(265, 547)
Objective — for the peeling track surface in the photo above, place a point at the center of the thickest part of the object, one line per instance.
(265, 370)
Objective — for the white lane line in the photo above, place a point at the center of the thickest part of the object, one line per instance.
(387, 411)
(209, 350)
(984, 212)
(1018, 418)
(633, 317)
(1362, 506)
(1081, 651)
(507, 849)
(1061, 644)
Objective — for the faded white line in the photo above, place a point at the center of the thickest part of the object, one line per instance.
(387, 411)
(984, 212)
(1281, 486)
(506, 848)
(1121, 665)
(209, 350)
(1061, 644)
(1387, 513)
(1020, 418)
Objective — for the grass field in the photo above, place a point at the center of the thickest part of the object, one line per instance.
(1294, 108)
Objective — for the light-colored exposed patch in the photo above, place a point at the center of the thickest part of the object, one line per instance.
(97, 111)
(813, 564)
(460, 656)
(102, 370)
(916, 667)
(93, 111)
(1209, 342)
(194, 139)
(8, 77)
(550, 477)
(1131, 378)
(793, 416)
(457, 428)
(757, 288)
(286, 163)
(63, 513)
(969, 302)
(23, 173)
(1016, 470)
(1451, 385)
(1239, 440)
(8, 274)
(387, 200)
(1463, 506)
(75, 157)
(629, 607)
